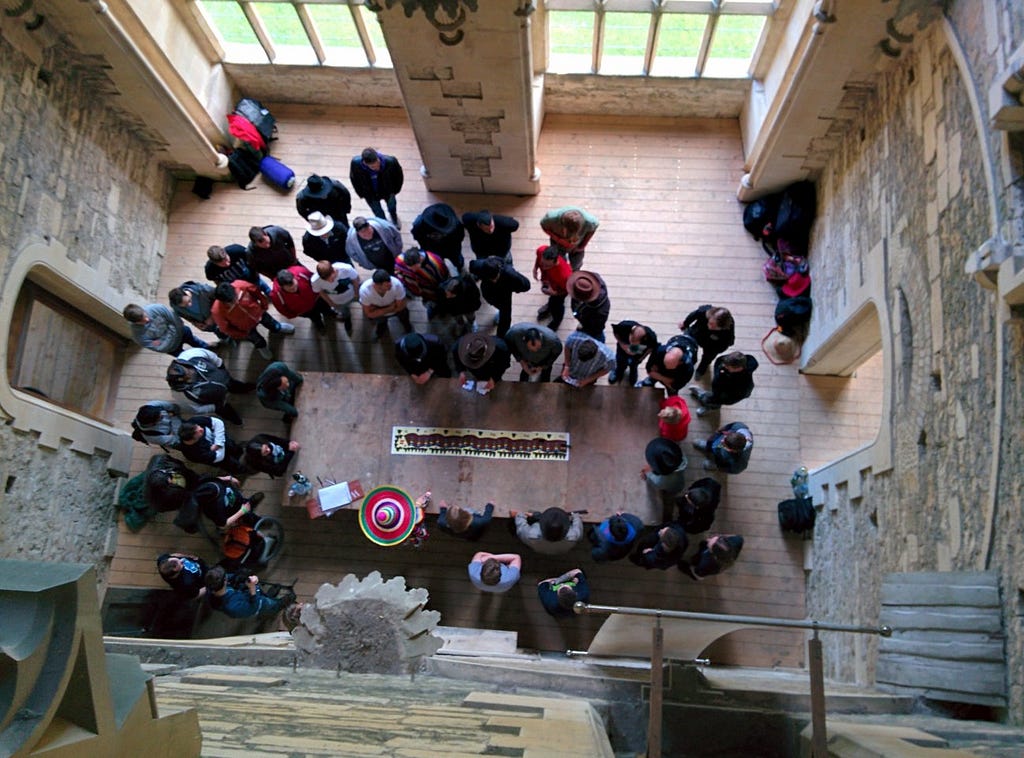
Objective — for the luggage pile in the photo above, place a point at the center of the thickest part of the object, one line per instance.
(782, 223)
(253, 128)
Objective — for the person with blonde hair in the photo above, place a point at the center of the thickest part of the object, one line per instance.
(464, 522)
(674, 419)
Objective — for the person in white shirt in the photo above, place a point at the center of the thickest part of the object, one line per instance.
(383, 296)
(337, 284)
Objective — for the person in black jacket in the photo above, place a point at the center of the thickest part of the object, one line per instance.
(464, 522)
(590, 302)
(376, 177)
(422, 357)
(226, 264)
(732, 380)
(662, 548)
(459, 297)
(204, 440)
(714, 331)
(271, 249)
(200, 375)
(498, 282)
(184, 573)
(326, 239)
(438, 230)
(697, 505)
(490, 234)
(269, 454)
(325, 195)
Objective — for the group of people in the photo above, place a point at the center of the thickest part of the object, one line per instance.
(244, 281)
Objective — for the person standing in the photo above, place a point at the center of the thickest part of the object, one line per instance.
(536, 348)
(238, 308)
(466, 523)
(553, 271)
(553, 532)
(590, 302)
(226, 264)
(337, 285)
(326, 239)
(713, 329)
(156, 327)
(613, 538)
(559, 594)
(481, 360)
(439, 230)
(490, 234)
(377, 177)
(728, 449)
(373, 243)
(271, 249)
(293, 295)
(570, 229)
(634, 342)
(324, 195)
(498, 282)
(732, 380)
(277, 388)
(585, 360)
(422, 357)
(422, 273)
(383, 296)
(494, 573)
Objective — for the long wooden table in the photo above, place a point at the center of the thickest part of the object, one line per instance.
(345, 427)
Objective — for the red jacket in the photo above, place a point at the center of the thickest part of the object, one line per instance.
(242, 316)
(300, 302)
(675, 432)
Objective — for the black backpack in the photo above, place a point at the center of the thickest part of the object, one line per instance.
(797, 209)
(792, 315)
(254, 112)
(797, 515)
(244, 164)
(761, 214)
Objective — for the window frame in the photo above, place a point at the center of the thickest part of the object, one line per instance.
(712, 9)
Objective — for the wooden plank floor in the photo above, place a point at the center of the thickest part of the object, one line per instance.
(670, 239)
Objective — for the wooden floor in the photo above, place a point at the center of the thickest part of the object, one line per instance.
(670, 240)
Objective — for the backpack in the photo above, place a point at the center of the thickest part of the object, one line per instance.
(168, 483)
(244, 164)
(797, 515)
(792, 314)
(164, 432)
(797, 209)
(254, 112)
(759, 217)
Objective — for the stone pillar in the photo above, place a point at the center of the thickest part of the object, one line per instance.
(468, 84)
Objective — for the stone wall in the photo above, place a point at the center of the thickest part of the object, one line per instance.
(75, 170)
(910, 175)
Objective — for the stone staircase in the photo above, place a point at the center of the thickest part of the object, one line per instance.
(280, 711)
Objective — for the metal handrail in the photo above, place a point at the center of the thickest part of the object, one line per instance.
(590, 608)
(816, 667)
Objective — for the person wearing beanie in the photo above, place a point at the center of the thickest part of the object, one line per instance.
(666, 466)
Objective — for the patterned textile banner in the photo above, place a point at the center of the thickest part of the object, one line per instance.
(480, 443)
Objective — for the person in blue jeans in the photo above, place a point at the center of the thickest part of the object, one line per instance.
(243, 604)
